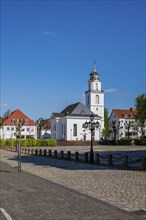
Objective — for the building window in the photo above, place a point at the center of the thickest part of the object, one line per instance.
(26, 121)
(27, 129)
(97, 99)
(74, 129)
(8, 128)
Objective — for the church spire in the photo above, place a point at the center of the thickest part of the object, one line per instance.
(94, 69)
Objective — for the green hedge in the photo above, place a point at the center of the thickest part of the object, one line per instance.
(128, 142)
(28, 142)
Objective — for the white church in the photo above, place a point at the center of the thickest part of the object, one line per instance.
(68, 124)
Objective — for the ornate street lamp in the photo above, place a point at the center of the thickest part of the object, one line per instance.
(91, 125)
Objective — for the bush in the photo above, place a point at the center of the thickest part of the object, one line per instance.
(140, 141)
(28, 142)
(124, 142)
(2, 142)
(128, 142)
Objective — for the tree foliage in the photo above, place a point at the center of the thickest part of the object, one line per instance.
(40, 124)
(106, 131)
(140, 104)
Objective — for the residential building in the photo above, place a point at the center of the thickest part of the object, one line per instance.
(125, 123)
(8, 125)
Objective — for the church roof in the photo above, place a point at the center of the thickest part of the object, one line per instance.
(76, 109)
(70, 108)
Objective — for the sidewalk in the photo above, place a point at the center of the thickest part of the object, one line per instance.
(124, 189)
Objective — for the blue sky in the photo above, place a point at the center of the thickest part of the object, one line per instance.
(48, 49)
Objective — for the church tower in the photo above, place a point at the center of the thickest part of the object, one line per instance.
(94, 96)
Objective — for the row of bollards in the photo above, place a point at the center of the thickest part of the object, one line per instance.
(97, 157)
(76, 156)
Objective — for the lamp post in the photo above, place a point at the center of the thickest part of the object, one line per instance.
(91, 125)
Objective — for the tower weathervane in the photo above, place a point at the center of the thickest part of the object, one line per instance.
(94, 66)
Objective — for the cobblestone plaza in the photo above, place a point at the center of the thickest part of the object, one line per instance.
(125, 189)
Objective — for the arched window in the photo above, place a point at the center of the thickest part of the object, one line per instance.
(97, 99)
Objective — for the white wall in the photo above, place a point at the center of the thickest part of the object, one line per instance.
(9, 131)
(64, 129)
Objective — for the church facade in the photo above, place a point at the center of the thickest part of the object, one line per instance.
(68, 124)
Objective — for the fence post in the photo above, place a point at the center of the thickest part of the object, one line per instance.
(86, 156)
(125, 160)
(68, 155)
(55, 153)
(40, 152)
(76, 156)
(62, 154)
(110, 160)
(97, 159)
(143, 163)
(50, 153)
(45, 152)
(36, 151)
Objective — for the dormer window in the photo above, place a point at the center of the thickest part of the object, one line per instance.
(13, 121)
(26, 121)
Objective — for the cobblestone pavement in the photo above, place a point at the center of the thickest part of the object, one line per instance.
(125, 189)
(52, 201)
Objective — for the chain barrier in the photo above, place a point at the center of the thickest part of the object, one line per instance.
(72, 156)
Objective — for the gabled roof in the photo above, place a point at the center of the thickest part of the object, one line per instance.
(124, 113)
(76, 109)
(70, 108)
(17, 114)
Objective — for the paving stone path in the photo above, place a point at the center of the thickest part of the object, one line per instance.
(125, 189)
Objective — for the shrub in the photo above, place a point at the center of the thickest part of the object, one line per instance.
(2, 142)
(28, 142)
(124, 142)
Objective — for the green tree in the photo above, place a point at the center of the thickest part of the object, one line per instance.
(19, 124)
(140, 115)
(1, 121)
(115, 127)
(106, 131)
(40, 124)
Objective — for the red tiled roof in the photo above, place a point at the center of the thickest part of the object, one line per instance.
(17, 114)
(125, 113)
